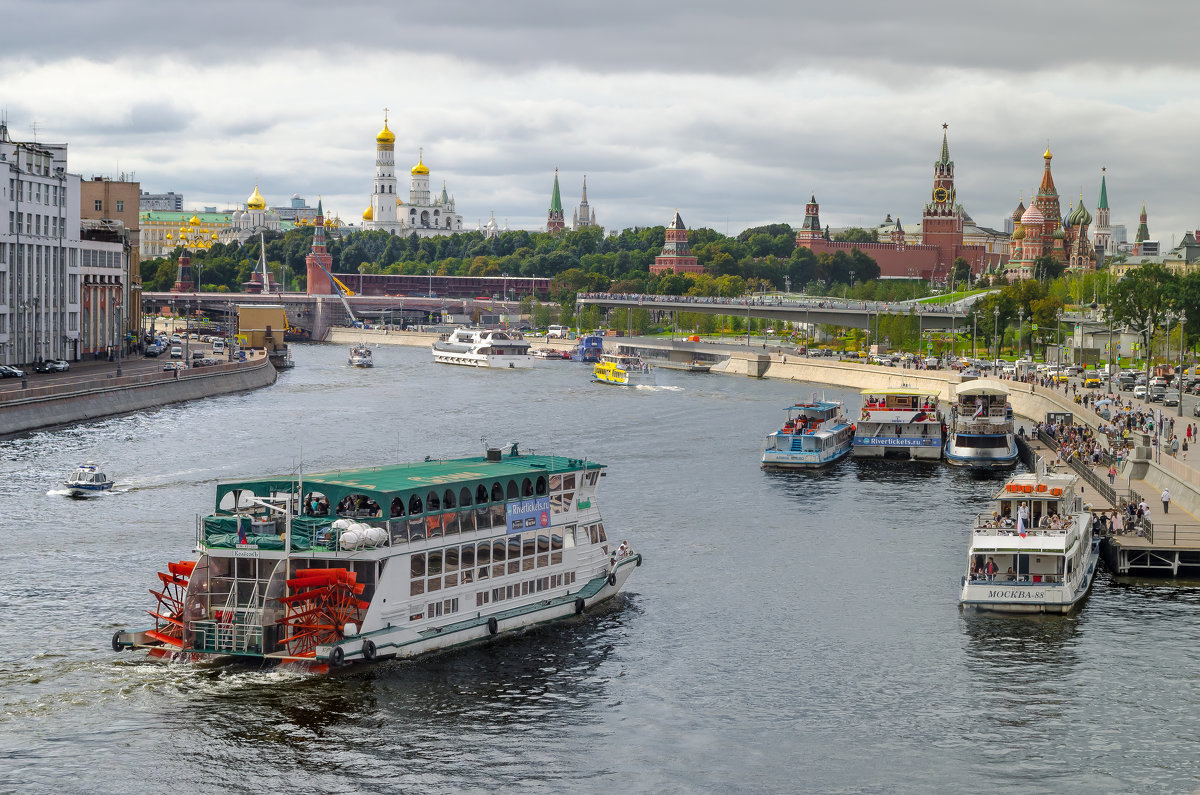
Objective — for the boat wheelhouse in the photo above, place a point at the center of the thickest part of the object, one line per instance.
(981, 433)
(899, 422)
(813, 435)
(86, 480)
(360, 356)
(484, 348)
(623, 369)
(589, 349)
(389, 561)
(1033, 551)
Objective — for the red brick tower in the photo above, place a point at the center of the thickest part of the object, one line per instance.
(319, 280)
(677, 251)
(810, 230)
(942, 221)
(185, 279)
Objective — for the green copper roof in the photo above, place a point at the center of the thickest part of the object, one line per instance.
(386, 481)
(945, 150)
(1103, 204)
(555, 199)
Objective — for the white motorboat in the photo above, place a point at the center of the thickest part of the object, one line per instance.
(1033, 551)
(982, 432)
(360, 356)
(86, 480)
(484, 348)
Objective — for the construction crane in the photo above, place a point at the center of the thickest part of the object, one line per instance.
(342, 292)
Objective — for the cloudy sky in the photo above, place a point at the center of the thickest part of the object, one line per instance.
(732, 112)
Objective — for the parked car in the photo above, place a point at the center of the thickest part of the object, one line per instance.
(8, 371)
(51, 366)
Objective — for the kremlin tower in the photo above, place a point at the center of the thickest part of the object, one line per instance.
(1143, 232)
(319, 263)
(677, 251)
(555, 218)
(1103, 236)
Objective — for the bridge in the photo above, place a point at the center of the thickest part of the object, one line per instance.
(317, 313)
(834, 311)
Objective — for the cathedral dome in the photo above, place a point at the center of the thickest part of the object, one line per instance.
(368, 214)
(1018, 232)
(1059, 234)
(256, 201)
(1017, 213)
(1032, 217)
(385, 136)
(420, 167)
(1047, 154)
(1081, 217)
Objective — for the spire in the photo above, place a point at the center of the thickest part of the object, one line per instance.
(445, 196)
(1047, 188)
(945, 147)
(555, 199)
(585, 189)
(1103, 204)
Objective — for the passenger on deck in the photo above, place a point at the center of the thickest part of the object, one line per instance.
(1010, 575)
(991, 569)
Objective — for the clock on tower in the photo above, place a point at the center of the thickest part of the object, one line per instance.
(940, 195)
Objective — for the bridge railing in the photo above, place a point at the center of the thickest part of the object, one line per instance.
(815, 302)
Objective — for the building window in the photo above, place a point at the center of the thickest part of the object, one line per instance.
(99, 205)
(120, 206)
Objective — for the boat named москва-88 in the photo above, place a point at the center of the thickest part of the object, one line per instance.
(814, 435)
(389, 561)
(981, 427)
(904, 422)
(1034, 551)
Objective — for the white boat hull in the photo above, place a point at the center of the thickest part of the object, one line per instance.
(1007, 596)
(506, 362)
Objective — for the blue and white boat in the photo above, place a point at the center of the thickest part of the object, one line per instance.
(814, 435)
(982, 434)
(87, 479)
(589, 349)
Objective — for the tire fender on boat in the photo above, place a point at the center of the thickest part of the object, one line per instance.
(116, 640)
(639, 559)
(336, 656)
(612, 578)
(493, 626)
(368, 650)
(579, 605)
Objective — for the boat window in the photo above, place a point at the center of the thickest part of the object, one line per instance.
(435, 563)
(556, 545)
(498, 548)
(569, 482)
(569, 536)
(513, 492)
(433, 526)
(514, 554)
(497, 492)
(526, 488)
(416, 529)
(414, 505)
(450, 523)
(483, 519)
(448, 500)
(464, 497)
(481, 494)
(555, 482)
(498, 519)
(432, 502)
(450, 559)
(397, 506)
(316, 504)
(466, 521)
(543, 548)
(417, 564)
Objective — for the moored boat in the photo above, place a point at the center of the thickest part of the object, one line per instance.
(622, 369)
(87, 480)
(981, 433)
(483, 348)
(390, 561)
(1033, 551)
(691, 366)
(814, 435)
(588, 349)
(360, 356)
(899, 422)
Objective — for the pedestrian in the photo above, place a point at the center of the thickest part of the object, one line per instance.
(1166, 500)
(1112, 470)
(1174, 444)
(1185, 449)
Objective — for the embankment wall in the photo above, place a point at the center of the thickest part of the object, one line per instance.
(43, 407)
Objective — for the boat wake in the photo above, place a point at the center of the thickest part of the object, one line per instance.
(658, 388)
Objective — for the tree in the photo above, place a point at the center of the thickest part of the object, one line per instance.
(856, 234)
(1047, 267)
(1141, 300)
(961, 271)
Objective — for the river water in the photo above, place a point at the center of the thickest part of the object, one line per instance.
(787, 633)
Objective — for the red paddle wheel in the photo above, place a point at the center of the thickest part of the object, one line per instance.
(168, 614)
(321, 603)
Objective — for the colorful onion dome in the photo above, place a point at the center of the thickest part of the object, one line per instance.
(1081, 217)
(255, 202)
(1032, 217)
(1059, 234)
(369, 214)
(1018, 232)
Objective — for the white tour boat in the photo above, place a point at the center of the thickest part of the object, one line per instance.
(814, 435)
(483, 348)
(902, 422)
(1033, 550)
(982, 432)
(86, 480)
(389, 561)
(360, 356)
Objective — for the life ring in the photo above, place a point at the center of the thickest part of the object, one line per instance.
(579, 605)
(493, 626)
(612, 578)
(1041, 487)
(336, 656)
(1026, 488)
(368, 650)
(1056, 492)
(116, 640)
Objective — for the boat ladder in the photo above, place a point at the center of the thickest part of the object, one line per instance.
(241, 626)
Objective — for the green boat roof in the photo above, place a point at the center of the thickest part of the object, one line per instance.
(384, 482)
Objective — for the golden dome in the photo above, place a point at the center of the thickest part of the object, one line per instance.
(1047, 154)
(256, 201)
(196, 218)
(420, 167)
(368, 214)
(398, 202)
(385, 136)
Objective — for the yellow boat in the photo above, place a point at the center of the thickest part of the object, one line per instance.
(622, 370)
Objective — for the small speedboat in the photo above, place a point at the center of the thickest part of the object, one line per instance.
(360, 356)
(87, 479)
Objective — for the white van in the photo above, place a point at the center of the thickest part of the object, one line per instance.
(556, 332)
(218, 346)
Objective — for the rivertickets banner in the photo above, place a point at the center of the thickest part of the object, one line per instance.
(528, 514)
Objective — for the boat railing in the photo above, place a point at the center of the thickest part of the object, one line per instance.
(988, 524)
(1020, 580)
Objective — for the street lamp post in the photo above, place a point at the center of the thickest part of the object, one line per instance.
(120, 336)
(1020, 325)
(1060, 319)
(996, 332)
(974, 328)
(1182, 323)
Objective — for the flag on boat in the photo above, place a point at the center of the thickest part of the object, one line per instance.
(241, 532)
(978, 408)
